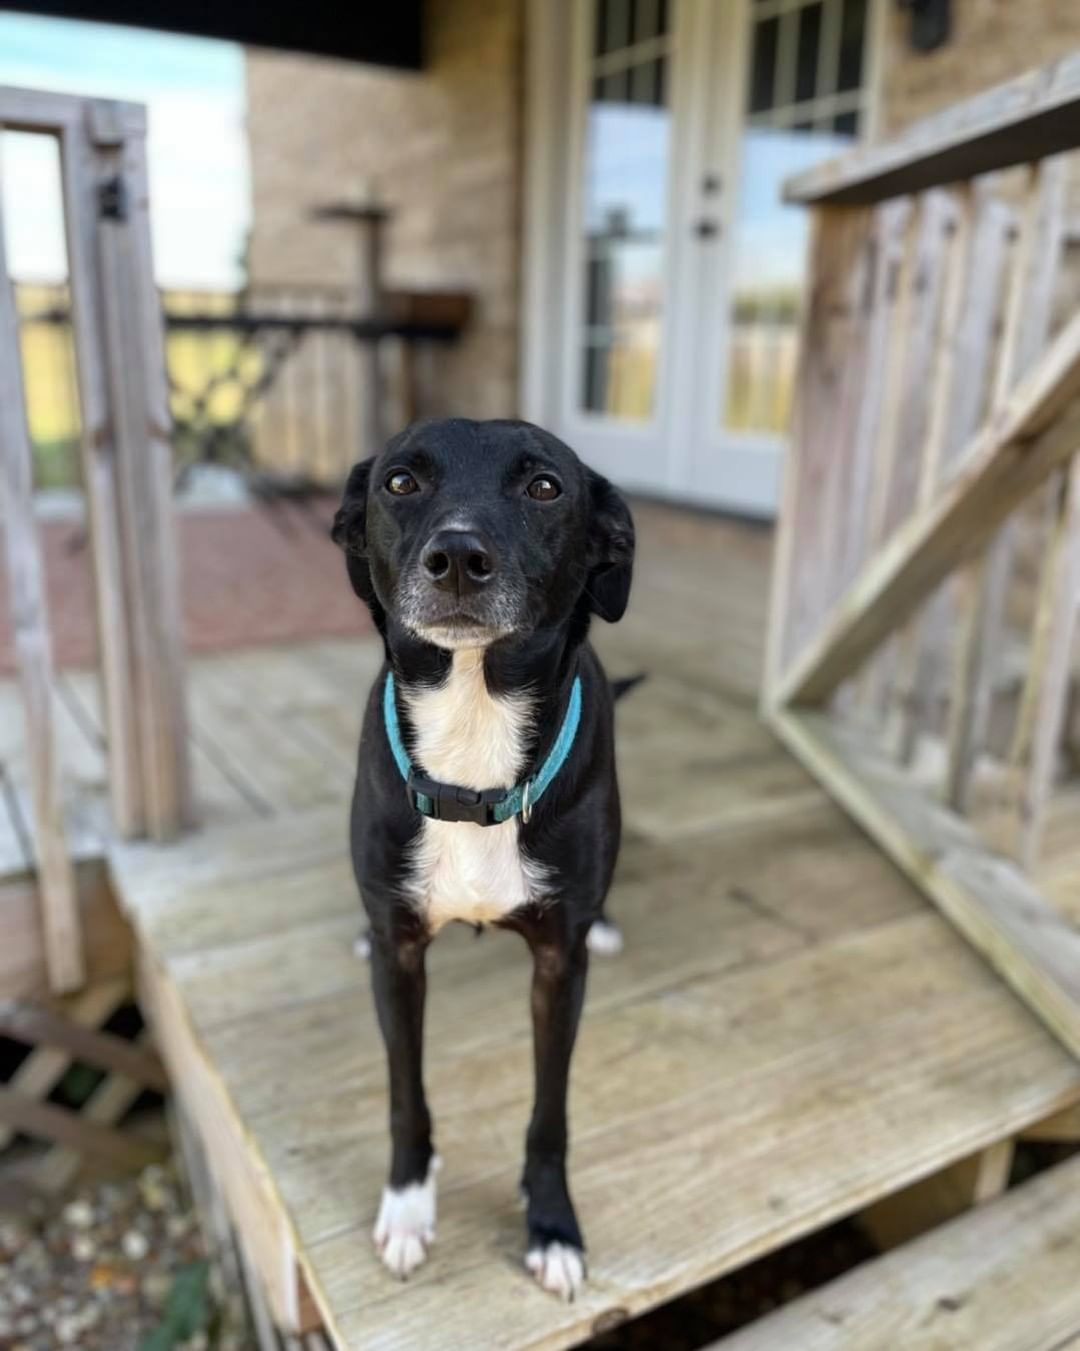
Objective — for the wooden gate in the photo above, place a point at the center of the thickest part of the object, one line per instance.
(125, 455)
(921, 646)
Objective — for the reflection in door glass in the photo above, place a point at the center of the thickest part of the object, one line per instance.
(625, 192)
(805, 98)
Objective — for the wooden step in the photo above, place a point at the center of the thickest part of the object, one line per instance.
(1003, 1277)
(789, 1035)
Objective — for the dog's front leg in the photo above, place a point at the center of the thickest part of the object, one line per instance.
(406, 1223)
(556, 1252)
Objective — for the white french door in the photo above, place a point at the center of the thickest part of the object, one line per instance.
(676, 272)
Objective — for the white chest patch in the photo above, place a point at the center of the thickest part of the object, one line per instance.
(466, 736)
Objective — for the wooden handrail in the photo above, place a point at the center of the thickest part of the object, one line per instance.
(1031, 117)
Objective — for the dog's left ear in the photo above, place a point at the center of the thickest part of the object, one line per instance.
(611, 550)
(350, 531)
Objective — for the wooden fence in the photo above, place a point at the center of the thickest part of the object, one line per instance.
(921, 649)
(126, 469)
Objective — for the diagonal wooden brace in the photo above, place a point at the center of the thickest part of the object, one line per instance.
(1034, 431)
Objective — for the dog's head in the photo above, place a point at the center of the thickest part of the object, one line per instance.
(467, 532)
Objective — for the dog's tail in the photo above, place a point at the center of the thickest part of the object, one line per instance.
(626, 684)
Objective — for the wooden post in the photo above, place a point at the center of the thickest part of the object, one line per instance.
(845, 245)
(369, 219)
(26, 578)
(100, 482)
(369, 303)
(135, 362)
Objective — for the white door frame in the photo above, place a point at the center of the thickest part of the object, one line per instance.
(557, 77)
(553, 52)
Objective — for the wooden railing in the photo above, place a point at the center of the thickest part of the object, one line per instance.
(268, 380)
(125, 453)
(912, 662)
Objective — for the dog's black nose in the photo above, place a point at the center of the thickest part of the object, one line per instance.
(459, 560)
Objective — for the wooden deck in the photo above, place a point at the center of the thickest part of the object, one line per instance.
(791, 1033)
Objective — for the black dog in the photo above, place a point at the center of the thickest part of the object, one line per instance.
(485, 789)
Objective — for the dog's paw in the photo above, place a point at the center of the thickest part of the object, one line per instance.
(559, 1268)
(604, 939)
(405, 1228)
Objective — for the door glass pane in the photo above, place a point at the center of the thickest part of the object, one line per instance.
(804, 102)
(627, 152)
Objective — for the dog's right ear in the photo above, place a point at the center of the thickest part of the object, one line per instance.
(350, 531)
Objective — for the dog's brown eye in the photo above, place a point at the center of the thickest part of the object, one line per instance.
(402, 484)
(543, 489)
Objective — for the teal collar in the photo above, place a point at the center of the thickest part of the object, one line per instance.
(490, 806)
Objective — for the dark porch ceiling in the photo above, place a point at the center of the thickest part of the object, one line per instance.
(385, 35)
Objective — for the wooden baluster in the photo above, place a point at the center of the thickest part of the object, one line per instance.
(985, 582)
(890, 234)
(917, 306)
(801, 587)
(33, 650)
(1040, 718)
(963, 362)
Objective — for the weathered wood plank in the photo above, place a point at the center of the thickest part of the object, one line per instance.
(108, 1104)
(39, 110)
(842, 242)
(44, 1121)
(899, 449)
(327, 1151)
(80, 183)
(135, 365)
(1002, 1277)
(44, 1067)
(224, 793)
(1012, 123)
(34, 1024)
(1023, 937)
(934, 1200)
(16, 850)
(894, 452)
(963, 367)
(238, 1172)
(1027, 324)
(771, 1182)
(30, 619)
(1019, 448)
(1040, 718)
(1062, 1127)
(23, 964)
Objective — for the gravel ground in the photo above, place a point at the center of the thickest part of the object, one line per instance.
(118, 1266)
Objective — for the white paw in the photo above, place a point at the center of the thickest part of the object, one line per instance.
(558, 1268)
(604, 939)
(405, 1228)
(362, 947)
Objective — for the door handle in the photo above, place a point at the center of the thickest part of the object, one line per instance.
(707, 228)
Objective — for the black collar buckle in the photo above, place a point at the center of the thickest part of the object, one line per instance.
(450, 802)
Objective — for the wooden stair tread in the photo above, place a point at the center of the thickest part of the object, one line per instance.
(790, 1034)
(999, 1278)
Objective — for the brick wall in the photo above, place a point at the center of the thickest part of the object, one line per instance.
(992, 41)
(441, 148)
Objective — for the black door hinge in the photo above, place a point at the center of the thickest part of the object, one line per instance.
(113, 199)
